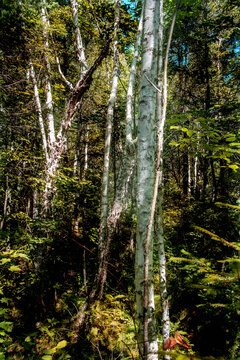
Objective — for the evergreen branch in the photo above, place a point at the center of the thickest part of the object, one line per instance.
(228, 205)
(216, 237)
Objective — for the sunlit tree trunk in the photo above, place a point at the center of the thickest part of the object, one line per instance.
(108, 136)
(160, 238)
(55, 144)
(51, 139)
(157, 191)
(48, 87)
(6, 204)
(147, 336)
(39, 110)
(127, 169)
(161, 117)
(196, 165)
(123, 181)
(78, 39)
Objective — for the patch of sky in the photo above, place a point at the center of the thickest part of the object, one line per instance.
(131, 3)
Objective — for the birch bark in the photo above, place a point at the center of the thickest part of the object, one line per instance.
(157, 183)
(55, 144)
(39, 110)
(145, 182)
(125, 175)
(126, 170)
(108, 136)
(159, 180)
(78, 39)
(48, 89)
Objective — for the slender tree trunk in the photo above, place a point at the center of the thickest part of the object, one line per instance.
(48, 88)
(124, 177)
(86, 149)
(189, 176)
(6, 209)
(196, 161)
(61, 139)
(161, 117)
(97, 288)
(158, 189)
(51, 139)
(39, 111)
(145, 182)
(108, 136)
(78, 39)
(126, 170)
(54, 145)
(35, 205)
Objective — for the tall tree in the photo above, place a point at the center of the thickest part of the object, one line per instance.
(57, 141)
(146, 143)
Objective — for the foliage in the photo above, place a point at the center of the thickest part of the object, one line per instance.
(111, 326)
(48, 263)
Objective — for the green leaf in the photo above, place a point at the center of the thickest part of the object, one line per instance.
(61, 344)
(6, 325)
(182, 357)
(231, 138)
(21, 255)
(14, 268)
(47, 357)
(234, 167)
(94, 331)
(174, 143)
(50, 351)
(4, 261)
(234, 144)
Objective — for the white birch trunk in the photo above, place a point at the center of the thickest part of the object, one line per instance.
(125, 173)
(145, 183)
(39, 110)
(189, 176)
(48, 89)
(86, 149)
(6, 210)
(130, 91)
(35, 205)
(160, 239)
(78, 38)
(51, 164)
(108, 136)
(70, 85)
(159, 175)
(196, 163)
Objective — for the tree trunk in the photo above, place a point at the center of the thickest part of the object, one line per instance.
(60, 144)
(124, 177)
(145, 182)
(126, 170)
(108, 136)
(158, 185)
